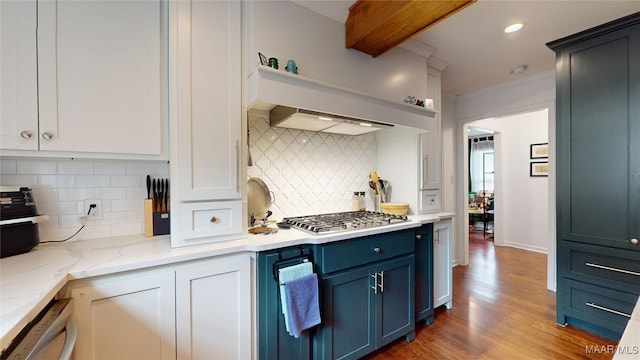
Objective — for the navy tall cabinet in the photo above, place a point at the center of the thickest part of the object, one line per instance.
(598, 176)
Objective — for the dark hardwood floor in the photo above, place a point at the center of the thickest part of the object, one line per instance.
(501, 310)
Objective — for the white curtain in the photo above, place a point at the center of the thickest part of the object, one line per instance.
(481, 165)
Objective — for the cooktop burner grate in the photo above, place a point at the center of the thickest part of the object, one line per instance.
(343, 221)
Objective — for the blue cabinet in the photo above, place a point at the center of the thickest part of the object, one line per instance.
(424, 273)
(367, 297)
(598, 176)
(274, 342)
(366, 308)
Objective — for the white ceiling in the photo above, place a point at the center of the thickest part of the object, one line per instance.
(479, 54)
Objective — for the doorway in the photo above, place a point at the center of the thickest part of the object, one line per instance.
(481, 172)
(521, 202)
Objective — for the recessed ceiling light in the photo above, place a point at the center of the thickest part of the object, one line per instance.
(519, 69)
(513, 27)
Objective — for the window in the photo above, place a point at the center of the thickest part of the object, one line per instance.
(481, 170)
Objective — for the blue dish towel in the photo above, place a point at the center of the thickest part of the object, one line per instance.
(302, 302)
(287, 274)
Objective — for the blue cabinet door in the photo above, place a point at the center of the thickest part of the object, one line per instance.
(424, 273)
(395, 301)
(366, 308)
(274, 342)
(348, 315)
(598, 127)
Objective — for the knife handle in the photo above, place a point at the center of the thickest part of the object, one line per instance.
(148, 186)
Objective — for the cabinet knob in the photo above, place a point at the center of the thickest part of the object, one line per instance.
(634, 241)
(214, 220)
(47, 135)
(418, 237)
(377, 250)
(25, 134)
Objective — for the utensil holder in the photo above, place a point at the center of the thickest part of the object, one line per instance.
(376, 203)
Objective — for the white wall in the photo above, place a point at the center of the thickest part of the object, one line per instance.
(449, 151)
(523, 201)
(286, 30)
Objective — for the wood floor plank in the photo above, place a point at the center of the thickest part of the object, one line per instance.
(501, 310)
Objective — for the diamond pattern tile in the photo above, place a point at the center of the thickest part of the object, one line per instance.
(310, 172)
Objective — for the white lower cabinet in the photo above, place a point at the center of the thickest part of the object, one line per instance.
(213, 309)
(442, 271)
(194, 310)
(129, 316)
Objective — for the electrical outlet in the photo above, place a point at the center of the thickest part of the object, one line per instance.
(93, 209)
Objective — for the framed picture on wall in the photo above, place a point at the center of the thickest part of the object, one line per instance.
(539, 168)
(539, 151)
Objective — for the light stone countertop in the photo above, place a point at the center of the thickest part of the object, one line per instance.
(29, 281)
(629, 345)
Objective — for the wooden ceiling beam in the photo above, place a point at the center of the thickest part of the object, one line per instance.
(375, 26)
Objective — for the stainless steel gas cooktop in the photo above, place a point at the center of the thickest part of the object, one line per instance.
(342, 221)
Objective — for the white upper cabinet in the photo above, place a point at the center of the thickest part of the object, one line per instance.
(18, 76)
(99, 68)
(430, 142)
(205, 121)
(100, 77)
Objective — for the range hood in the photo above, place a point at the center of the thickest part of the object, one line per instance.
(296, 101)
(301, 119)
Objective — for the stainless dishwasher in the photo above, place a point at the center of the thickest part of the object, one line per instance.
(51, 335)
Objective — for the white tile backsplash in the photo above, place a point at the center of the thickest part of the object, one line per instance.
(309, 172)
(60, 188)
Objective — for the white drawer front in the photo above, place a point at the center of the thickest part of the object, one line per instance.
(207, 222)
(429, 201)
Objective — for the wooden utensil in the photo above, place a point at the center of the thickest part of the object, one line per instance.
(374, 178)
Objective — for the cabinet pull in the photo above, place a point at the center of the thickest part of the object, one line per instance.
(595, 306)
(418, 237)
(377, 250)
(237, 166)
(612, 269)
(634, 241)
(375, 283)
(214, 220)
(381, 282)
(47, 135)
(25, 134)
(437, 235)
(425, 172)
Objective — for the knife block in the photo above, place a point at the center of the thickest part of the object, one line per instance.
(161, 223)
(148, 217)
(155, 223)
